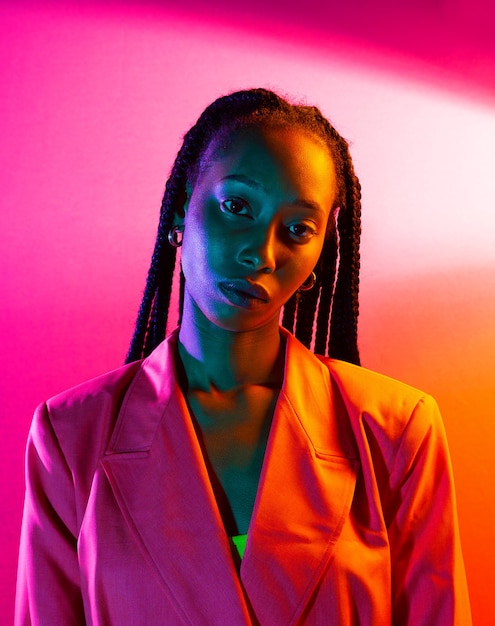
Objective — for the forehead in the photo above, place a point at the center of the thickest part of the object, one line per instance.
(291, 159)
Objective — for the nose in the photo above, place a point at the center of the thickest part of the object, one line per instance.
(258, 250)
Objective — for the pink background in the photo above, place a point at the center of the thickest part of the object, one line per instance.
(94, 99)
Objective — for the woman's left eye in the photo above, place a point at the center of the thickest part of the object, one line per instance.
(302, 231)
(235, 206)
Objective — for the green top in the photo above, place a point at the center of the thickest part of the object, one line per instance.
(240, 543)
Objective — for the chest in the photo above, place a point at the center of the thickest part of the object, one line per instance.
(233, 434)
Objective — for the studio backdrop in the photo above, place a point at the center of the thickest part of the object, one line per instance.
(94, 100)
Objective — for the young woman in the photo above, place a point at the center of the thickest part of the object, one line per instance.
(227, 475)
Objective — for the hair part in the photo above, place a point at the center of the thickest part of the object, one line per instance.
(325, 317)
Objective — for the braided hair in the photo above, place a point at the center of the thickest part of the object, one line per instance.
(333, 301)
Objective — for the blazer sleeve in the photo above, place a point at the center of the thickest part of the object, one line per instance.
(48, 587)
(428, 577)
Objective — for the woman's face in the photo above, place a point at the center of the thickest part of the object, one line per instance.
(254, 225)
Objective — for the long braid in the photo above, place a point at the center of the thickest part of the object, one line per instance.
(345, 309)
(141, 337)
(159, 281)
(289, 313)
(327, 268)
(306, 308)
(330, 296)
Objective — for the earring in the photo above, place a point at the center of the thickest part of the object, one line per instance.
(173, 236)
(309, 283)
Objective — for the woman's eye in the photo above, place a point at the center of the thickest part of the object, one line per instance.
(237, 207)
(302, 231)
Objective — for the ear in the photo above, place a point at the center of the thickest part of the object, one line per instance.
(180, 214)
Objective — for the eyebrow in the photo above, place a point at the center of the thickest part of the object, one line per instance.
(241, 178)
(250, 182)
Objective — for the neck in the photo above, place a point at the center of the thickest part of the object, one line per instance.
(215, 358)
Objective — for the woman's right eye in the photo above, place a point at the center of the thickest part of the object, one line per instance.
(235, 206)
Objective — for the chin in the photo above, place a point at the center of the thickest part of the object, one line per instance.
(243, 323)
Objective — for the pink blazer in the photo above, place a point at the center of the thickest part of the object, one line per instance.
(354, 521)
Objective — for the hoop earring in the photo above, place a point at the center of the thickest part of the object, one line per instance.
(173, 237)
(309, 283)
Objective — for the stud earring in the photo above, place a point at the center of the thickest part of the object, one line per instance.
(173, 236)
(309, 283)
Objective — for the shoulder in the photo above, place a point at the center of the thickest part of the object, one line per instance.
(388, 418)
(358, 395)
(102, 391)
(82, 419)
(366, 389)
(375, 414)
(91, 403)
(79, 421)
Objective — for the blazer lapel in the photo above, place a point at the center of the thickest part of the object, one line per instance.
(304, 496)
(157, 473)
(156, 469)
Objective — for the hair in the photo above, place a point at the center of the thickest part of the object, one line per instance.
(333, 301)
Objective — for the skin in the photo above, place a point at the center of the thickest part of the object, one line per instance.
(254, 227)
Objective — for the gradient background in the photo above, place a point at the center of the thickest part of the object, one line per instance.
(94, 100)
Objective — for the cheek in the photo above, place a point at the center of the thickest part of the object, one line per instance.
(203, 248)
(195, 231)
(308, 258)
(293, 273)
(202, 223)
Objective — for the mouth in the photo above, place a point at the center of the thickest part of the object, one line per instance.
(244, 293)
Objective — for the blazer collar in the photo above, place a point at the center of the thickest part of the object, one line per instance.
(305, 492)
(156, 469)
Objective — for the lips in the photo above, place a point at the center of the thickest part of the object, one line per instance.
(244, 293)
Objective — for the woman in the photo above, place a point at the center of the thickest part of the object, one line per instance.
(144, 485)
